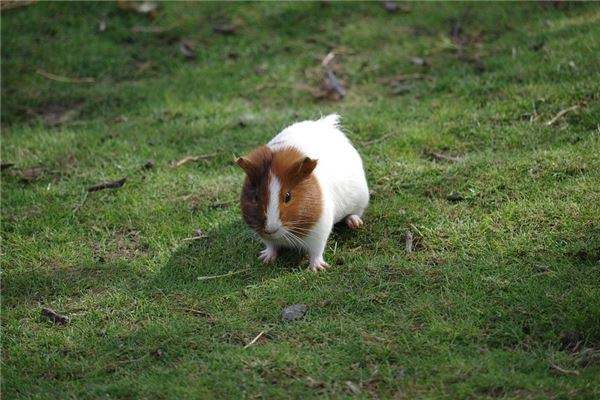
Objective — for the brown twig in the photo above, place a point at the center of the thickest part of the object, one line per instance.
(563, 371)
(187, 239)
(561, 114)
(196, 312)
(443, 157)
(64, 79)
(209, 277)
(254, 340)
(377, 140)
(107, 185)
(408, 239)
(54, 316)
(152, 29)
(188, 159)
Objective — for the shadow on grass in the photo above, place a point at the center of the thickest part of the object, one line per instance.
(232, 251)
(229, 250)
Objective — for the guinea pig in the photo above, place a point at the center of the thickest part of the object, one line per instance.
(297, 186)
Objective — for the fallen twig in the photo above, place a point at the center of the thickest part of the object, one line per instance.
(563, 371)
(408, 239)
(561, 114)
(128, 361)
(254, 340)
(54, 316)
(64, 79)
(198, 313)
(443, 157)
(188, 159)
(152, 29)
(377, 140)
(107, 185)
(187, 239)
(403, 78)
(209, 277)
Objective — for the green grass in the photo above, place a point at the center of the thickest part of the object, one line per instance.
(478, 311)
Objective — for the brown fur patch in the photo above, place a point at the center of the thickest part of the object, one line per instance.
(255, 192)
(294, 171)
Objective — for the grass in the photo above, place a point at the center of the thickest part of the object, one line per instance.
(502, 285)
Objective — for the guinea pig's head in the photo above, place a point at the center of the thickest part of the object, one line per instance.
(281, 197)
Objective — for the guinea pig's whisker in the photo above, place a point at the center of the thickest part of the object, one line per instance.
(295, 240)
(300, 231)
(292, 240)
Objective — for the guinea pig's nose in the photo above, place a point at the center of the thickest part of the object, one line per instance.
(271, 228)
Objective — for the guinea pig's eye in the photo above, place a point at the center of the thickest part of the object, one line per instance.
(287, 197)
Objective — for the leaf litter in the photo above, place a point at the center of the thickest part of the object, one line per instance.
(330, 86)
(186, 48)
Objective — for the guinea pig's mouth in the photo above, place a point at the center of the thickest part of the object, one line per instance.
(272, 234)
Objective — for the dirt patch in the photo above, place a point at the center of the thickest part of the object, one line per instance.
(126, 244)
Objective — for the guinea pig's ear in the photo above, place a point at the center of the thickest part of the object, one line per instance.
(304, 167)
(246, 165)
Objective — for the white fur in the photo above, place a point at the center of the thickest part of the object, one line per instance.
(273, 222)
(340, 175)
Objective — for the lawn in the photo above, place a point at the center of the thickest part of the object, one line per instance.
(479, 126)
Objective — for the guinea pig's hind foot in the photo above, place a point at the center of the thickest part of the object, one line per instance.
(268, 255)
(354, 221)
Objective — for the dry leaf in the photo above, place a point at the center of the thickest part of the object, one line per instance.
(352, 387)
(187, 50)
(331, 87)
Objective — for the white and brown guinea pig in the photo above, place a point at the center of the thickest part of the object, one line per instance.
(306, 179)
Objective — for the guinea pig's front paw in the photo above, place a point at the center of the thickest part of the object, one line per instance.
(268, 255)
(354, 221)
(318, 265)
